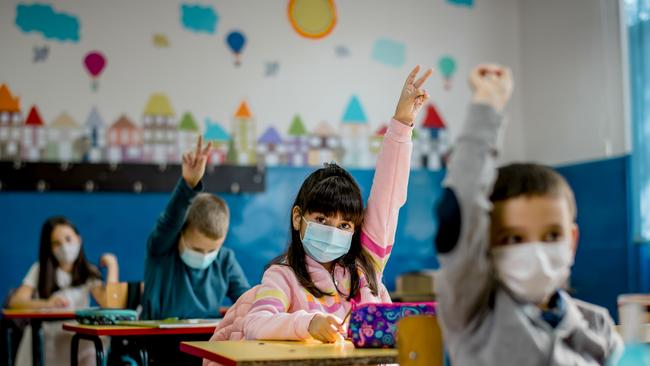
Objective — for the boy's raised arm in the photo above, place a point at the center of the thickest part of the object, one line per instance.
(462, 242)
(162, 239)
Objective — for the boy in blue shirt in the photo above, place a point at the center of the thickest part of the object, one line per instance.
(188, 272)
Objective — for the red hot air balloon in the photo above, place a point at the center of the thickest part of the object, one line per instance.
(95, 63)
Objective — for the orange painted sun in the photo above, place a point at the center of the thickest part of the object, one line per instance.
(312, 18)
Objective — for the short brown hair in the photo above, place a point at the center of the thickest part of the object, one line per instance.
(208, 214)
(532, 180)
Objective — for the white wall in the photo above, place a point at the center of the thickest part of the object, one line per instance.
(572, 85)
(197, 71)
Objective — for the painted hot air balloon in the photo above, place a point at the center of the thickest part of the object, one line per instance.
(447, 67)
(95, 63)
(236, 41)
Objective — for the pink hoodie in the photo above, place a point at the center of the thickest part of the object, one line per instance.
(281, 309)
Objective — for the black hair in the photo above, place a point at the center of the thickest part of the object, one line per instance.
(330, 190)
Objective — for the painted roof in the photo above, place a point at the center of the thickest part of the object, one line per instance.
(432, 118)
(243, 111)
(354, 113)
(124, 123)
(64, 120)
(188, 123)
(214, 132)
(34, 117)
(270, 136)
(159, 105)
(8, 103)
(297, 127)
(94, 119)
(324, 130)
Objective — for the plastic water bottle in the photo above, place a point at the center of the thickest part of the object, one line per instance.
(635, 353)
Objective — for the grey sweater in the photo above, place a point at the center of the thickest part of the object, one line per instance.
(482, 323)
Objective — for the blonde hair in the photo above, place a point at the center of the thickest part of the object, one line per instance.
(208, 214)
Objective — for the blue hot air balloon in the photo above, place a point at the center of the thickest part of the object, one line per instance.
(236, 41)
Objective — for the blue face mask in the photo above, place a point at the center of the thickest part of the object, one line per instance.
(195, 259)
(325, 243)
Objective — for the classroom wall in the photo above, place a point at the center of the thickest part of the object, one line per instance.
(572, 84)
(121, 223)
(567, 111)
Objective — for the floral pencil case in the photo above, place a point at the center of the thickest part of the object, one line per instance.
(375, 325)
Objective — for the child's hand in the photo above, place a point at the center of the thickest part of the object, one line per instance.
(57, 301)
(492, 85)
(108, 260)
(194, 163)
(412, 98)
(326, 328)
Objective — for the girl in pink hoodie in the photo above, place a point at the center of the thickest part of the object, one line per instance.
(337, 252)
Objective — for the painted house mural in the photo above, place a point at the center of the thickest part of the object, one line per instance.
(271, 149)
(162, 138)
(221, 142)
(355, 132)
(244, 136)
(124, 141)
(324, 145)
(297, 143)
(34, 138)
(160, 131)
(11, 123)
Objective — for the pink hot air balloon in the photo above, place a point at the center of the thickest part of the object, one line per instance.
(95, 63)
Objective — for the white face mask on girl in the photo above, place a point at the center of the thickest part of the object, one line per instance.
(533, 271)
(67, 252)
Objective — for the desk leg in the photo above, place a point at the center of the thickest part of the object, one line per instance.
(74, 350)
(38, 359)
(100, 356)
(10, 355)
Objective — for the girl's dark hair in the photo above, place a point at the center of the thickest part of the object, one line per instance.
(330, 190)
(82, 270)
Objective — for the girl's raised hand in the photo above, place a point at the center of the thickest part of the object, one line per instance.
(413, 97)
(492, 85)
(194, 163)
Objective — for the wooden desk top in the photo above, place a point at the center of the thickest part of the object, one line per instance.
(121, 330)
(38, 314)
(267, 353)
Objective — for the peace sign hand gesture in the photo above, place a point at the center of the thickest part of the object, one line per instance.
(194, 163)
(412, 98)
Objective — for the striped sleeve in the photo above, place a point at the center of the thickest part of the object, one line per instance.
(269, 317)
(388, 193)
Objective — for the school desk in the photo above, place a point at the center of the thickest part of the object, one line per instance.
(645, 332)
(268, 353)
(36, 318)
(93, 332)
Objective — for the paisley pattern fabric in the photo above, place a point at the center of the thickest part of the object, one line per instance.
(375, 325)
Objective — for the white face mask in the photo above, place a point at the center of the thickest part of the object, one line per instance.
(197, 260)
(533, 271)
(67, 252)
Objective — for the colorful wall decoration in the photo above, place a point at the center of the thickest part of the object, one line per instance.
(261, 95)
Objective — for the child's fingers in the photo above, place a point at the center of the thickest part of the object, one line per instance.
(411, 78)
(424, 78)
(199, 145)
(207, 149)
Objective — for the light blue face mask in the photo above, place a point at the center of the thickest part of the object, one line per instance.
(197, 260)
(325, 243)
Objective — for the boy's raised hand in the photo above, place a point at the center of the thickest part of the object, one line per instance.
(194, 163)
(413, 97)
(492, 85)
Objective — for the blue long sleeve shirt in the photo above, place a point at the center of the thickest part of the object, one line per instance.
(173, 289)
